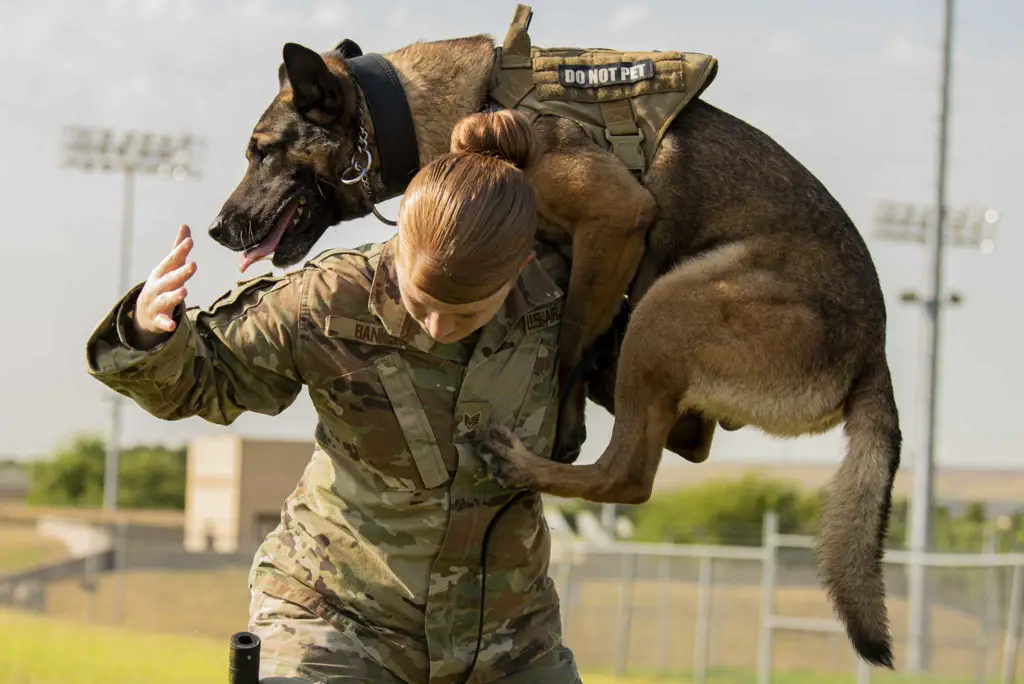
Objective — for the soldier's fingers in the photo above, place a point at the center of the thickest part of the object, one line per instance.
(166, 302)
(177, 277)
(156, 286)
(154, 297)
(174, 259)
(164, 322)
(182, 234)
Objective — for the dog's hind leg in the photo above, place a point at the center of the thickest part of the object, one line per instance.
(656, 369)
(719, 336)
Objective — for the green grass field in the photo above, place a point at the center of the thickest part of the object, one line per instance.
(179, 622)
(21, 548)
(38, 650)
(41, 650)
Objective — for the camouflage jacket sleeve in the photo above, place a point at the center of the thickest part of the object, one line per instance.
(235, 356)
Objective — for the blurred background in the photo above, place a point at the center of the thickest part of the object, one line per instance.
(710, 581)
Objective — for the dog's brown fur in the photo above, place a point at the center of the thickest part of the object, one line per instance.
(754, 300)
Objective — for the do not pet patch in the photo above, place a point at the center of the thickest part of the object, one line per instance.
(619, 73)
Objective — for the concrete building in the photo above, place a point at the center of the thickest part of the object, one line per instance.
(235, 488)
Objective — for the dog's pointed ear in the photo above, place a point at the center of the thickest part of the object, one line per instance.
(314, 87)
(282, 76)
(348, 48)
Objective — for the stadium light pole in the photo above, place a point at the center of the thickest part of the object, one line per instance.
(969, 227)
(129, 153)
(933, 227)
(964, 232)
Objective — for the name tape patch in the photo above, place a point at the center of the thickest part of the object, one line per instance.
(361, 331)
(618, 73)
(543, 318)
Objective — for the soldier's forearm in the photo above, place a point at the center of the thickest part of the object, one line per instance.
(186, 373)
(150, 372)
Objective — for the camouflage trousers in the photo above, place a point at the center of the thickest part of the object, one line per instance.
(298, 643)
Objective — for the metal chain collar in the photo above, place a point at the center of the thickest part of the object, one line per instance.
(362, 171)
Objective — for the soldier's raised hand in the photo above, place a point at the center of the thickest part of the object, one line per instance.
(164, 290)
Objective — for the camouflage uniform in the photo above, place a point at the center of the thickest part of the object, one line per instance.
(374, 573)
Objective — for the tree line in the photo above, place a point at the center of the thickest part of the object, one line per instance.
(728, 511)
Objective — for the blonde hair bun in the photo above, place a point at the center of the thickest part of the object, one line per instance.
(505, 134)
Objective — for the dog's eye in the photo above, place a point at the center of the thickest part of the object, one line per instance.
(257, 152)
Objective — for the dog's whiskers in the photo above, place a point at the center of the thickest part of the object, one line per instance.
(319, 180)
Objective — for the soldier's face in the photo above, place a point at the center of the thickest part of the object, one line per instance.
(445, 322)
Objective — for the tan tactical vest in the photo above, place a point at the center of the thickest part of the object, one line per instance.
(624, 101)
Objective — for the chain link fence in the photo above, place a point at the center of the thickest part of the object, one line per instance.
(703, 613)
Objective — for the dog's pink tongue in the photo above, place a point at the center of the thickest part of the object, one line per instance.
(269, 243)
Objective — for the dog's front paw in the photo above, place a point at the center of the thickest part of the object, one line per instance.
(505, 456)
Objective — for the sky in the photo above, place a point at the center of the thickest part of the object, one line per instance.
(849, 88)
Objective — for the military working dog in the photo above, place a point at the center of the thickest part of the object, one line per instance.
(750, 297)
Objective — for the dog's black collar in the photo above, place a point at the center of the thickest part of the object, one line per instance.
(393, 129)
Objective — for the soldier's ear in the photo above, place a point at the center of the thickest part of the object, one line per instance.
(314, 87)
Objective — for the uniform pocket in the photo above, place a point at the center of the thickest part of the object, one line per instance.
(412, 418)
(373, 422)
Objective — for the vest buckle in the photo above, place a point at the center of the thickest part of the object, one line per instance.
(628, 148)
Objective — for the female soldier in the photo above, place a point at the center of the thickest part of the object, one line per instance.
(409, 349)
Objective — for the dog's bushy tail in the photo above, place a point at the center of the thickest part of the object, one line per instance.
(855, 516)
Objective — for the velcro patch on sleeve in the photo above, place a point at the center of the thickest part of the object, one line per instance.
(544, 318)
(619, 73)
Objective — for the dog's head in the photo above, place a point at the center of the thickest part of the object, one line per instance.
(299, 150)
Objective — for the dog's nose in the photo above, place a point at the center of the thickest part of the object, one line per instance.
(218, 231)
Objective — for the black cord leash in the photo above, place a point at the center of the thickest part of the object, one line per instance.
(483, 582)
